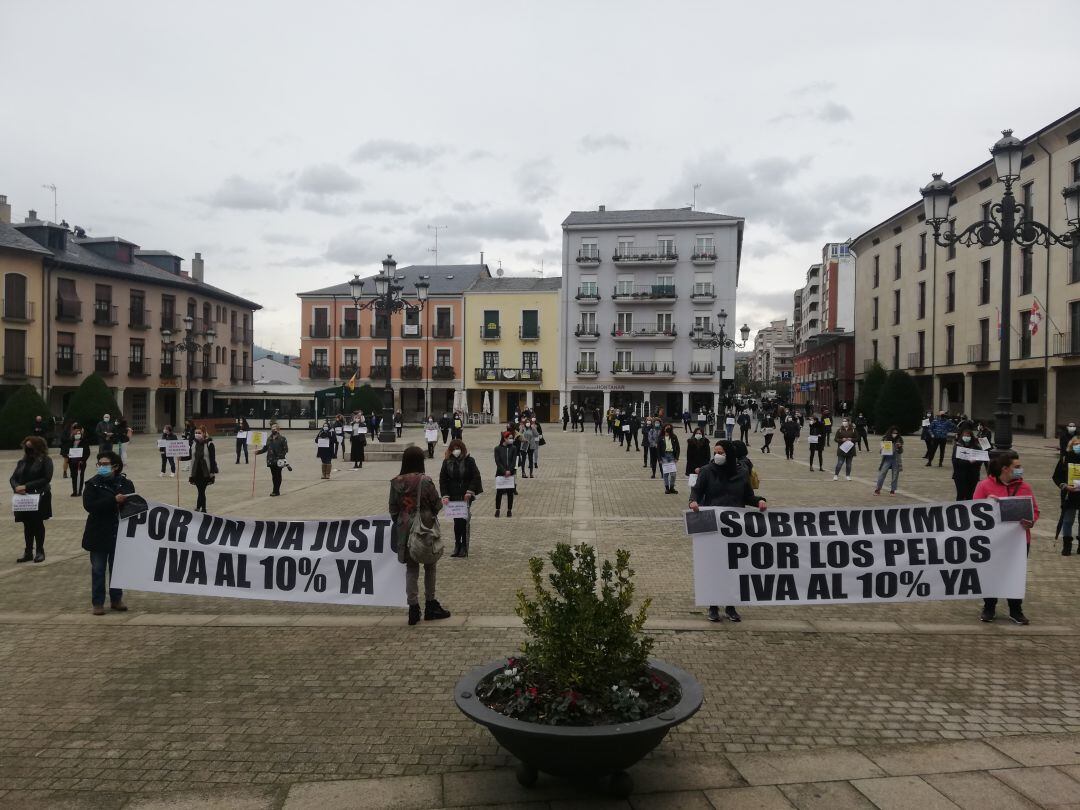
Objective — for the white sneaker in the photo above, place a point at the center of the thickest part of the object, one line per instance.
(836, 478)
(161, 475)
(172, 475)
(847, 477)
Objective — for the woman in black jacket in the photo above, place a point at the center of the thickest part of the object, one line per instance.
(768, 427)
(965, 474)
(459, 480)
(790, 432)
(31, 477)
(358, 442)
(697, 452)
(506, 456)
(203, 466)
(242, 429)
(105, 493)
(1070, 492)
(668, 450)
(817, 433)
(77, 458)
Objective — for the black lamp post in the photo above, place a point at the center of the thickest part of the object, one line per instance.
(189, 344)
(1008, 224)
(388, 300)
(721, 341)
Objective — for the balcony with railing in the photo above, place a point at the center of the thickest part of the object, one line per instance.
(657, 255)
(702, 369)
(139, 318)
(379, 331)
(586, 332)
(703, 332)
(916, 360)
(589, 256)
(68, 311)
(105, 364)
(68, 365)
(703, 291)
(106, 314)
(319, 330)
(443, 332)
(587, 369)
(979, 354)
(18, 310)
(704, 256)
(442, 372)
(169, 370)
(1067, 344)
(18, 366)
(209, 371)
(346, 371)
(490, 332)
(587, 295)
(170, 322)
(643, 368)
(412, 330)
(494, 375)
(528, 333)
(379, 371)
(412, 371)
(139, 366)
(349, 329)
(318, 371)
(249, 337)
(653, 332)
(644, 293)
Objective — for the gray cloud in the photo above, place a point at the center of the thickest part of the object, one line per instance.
(299, 261)
(833, 112)
(535, 179)
(285, 238)
(355, 246)
(396, 153)
(326, 178)
(504, 223)
(596, 143)
(241, 194)
(331, 205)
(383, 207)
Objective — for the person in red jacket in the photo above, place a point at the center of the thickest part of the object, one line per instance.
(1006, 480)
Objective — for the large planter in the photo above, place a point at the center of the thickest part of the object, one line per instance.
(580, 753)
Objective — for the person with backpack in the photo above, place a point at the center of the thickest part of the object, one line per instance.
(414, 507)
(459, 480)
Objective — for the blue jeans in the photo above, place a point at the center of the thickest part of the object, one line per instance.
(99, 562)
(888, 463)
(669, 478)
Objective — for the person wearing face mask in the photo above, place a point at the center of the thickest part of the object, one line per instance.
(444, 427)
(105, 434)
(1070, 493)
(33, 475)
(459, 480)
(743, 421)
(203, 466)
(540, 440)
(965, 473)
(650, 434)
(862, 429)
(1005, 479)
(790, 431)
(530, 444)
(80, 443)
(277, 451)
(167, 435)
(1067, 434)
(892, 448)
(724, 482)
(359, 440)
(768, 427)
(240, 428)
(940, 427)
(188, 436)
(845, 433)
(669, 451)
(324, 450)
(698, 451)
(105, 493)
(816, 429)
(506, 457)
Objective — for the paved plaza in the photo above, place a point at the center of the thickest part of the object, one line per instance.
(185, 701)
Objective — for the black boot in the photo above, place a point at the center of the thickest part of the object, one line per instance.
(40, 556)
(433, 610)
(27, 556)
(414, 614)
(457, 549)
(1066, 546)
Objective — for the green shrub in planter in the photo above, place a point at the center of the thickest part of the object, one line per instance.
(92, 400)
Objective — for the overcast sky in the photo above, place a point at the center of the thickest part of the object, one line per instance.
(296, 143)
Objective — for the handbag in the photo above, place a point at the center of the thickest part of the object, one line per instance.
(425, 542)
(542, 441)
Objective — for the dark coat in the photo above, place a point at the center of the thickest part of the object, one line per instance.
(458, 476)
(727, 485)
(847, 434)
(325, 454)
(790, 429)
(276, 447)
(84, 443)
(103, 512)
(505, 459)
(674, 444)
(203, 474)
(105, 433)
(409, 494)
(357, 443)
(1070, 500)
(698, 454)
(35, 475)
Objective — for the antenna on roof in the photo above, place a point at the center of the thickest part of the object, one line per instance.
(693, 205)
(499, 270)
(435, 249)
(540, 270)
(52, 188)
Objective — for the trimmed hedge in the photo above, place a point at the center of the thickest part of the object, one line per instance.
(91, 401)
(17, 416)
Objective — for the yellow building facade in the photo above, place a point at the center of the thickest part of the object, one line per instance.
(512, 347)
(23, 310)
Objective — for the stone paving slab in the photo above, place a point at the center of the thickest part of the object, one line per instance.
(822, 764)
(902, 793)
(1041, 750)
(1047, 787)
(978, 791)
(937, 758)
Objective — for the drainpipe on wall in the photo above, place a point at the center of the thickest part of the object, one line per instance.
(1048, 424)
(46, 332)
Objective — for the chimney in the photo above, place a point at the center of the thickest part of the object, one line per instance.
(197, 268)
(31, 216)
(5, 209)
(603, 208)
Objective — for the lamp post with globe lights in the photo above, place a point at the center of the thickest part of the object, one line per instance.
(721, 341)
(192, 342)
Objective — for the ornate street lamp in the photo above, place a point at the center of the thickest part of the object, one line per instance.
(388, 300)
(721, 341)
(191, 344)
(1008, 224)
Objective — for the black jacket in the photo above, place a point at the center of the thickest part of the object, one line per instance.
(200, 475)
(1071, 500)
(505, 459)
(103, 512)
(458, 476)
(276, 447)
(724, 486)
(790, 429)
(35, 475)
(698, 454)
(1063, 440)
(674, 443)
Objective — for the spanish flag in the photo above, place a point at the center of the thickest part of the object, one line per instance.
(351, 384)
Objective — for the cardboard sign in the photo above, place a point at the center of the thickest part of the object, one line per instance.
(669, 468)
(729, 421)
(828, 423)
(431, 435)
(984, 443)
(362, 430)
(813, 438)
(625, 428)
(75, 452)
(1074, 475)
(691, 480)
(847, 446)
(241, 435)
(504, 482)
(322, 442)
(339, 431)
(886, 448)
(256, 438)
(455, 510)
(161, 444)
(926, 423)
(971, 454)
(25, 503)
(176, 448)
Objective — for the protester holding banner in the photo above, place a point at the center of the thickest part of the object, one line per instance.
(505, 462)
(242, 429)
(697, 451)
(845, 449)
(1067, 477)
(105, 493)
(32, 477)
(1006, 480)
(668, 450)
(966, 471)
(459, 481)
(277, 450)
(358, 441)
(324, 449)
(892, 448)
(724, 482)
(413, 498)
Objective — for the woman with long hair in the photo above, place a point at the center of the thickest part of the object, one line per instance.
(459, 480)
(204, 466)
(32, 476)
(892, 448)
(413, 497)
(77, 453)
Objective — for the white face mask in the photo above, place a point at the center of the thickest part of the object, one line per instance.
(455, 453)
(697, 435)
(719, 458)
(1018, 472)
(965, 439)
(1072, 428)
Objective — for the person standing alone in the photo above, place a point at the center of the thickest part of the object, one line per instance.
(33, 476)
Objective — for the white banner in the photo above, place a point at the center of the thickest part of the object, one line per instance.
(911, 553)
(342, 561)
